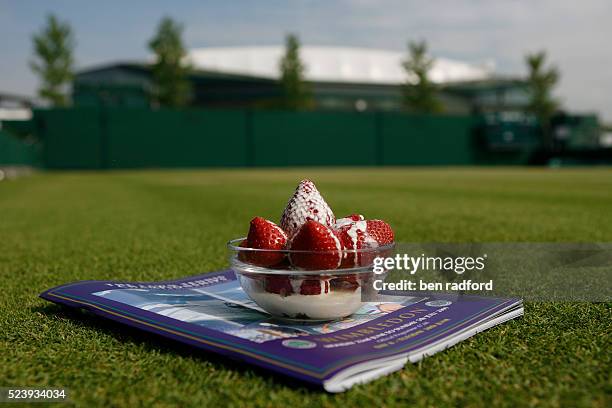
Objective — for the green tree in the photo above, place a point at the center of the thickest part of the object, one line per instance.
(53, 60)
(171, 86)
(420, 96)
(541, 81)
(296, 92)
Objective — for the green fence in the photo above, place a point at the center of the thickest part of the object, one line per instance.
(192, 138)
(313, 138)
(72, 138)
(92, 138)
(16, 152)
(424, 140)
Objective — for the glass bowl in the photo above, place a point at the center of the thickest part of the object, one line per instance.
(288, 292)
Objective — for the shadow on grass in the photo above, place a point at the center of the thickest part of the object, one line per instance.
(152, 341)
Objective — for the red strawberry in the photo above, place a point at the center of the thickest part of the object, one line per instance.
(354, 236)
(264, 234)
(363, 235)
(349, 219)
(243, 255)
(314, 236)
(380, 231)
(278, 284)
(306, 204)
(314, 286)
(284, 264)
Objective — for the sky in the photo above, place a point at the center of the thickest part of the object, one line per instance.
(576, 35)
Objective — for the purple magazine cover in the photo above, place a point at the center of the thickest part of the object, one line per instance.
(211, 312)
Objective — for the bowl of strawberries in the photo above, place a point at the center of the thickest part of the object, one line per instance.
(310, 266)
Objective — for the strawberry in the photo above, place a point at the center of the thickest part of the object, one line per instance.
(316, 237)
(314, 286)
(284, 264)
(354, 236)
(278, 284)
(264, 234)
(380, 231)
(363, 235)
(243, 255)
(305, 204)
(349, 219)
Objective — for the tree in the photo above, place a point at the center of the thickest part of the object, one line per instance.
(171, 86)
(420, 96)
(53, 60)
(541, 82)
(296, 92)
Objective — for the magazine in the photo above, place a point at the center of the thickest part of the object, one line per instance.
(212, 312)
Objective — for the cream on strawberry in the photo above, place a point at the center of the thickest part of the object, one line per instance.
(349, 219)
(305, 204)
(354, 236)
(358, 235)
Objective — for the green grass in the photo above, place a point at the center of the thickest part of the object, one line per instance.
(61, 227)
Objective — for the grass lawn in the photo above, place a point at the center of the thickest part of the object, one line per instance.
(158, 225)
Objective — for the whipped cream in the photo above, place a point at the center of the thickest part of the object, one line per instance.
(328, 305)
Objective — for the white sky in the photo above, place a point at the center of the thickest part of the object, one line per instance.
(575, 34)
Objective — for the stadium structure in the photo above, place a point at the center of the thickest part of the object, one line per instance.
(341, 78)
(357, 98)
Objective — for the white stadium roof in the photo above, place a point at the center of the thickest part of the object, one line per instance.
(331, 64)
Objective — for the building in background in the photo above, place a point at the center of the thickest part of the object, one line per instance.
(341, 78)
(16, 107)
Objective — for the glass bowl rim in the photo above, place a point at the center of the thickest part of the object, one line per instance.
(233, 245)
(244, 268)
(253, 270)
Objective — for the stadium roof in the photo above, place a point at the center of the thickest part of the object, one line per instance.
(332, 64)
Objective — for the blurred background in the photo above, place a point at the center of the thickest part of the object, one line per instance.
(350, 82)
